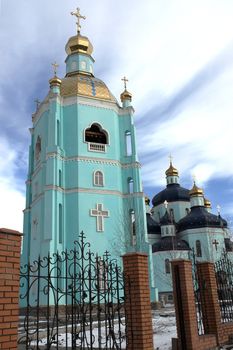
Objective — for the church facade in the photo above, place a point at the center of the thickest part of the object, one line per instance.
(181, 226)
(84, 175)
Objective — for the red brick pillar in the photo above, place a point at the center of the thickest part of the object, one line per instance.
(184, 300)
(10, 246)
(209, 298)
(139, 331)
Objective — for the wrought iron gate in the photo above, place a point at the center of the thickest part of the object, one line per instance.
(224, 279)
(72, 300)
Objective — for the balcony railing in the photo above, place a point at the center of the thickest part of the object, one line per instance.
(96, 147)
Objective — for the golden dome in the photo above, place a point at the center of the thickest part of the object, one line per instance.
(196, 191)
(171, 171)
(80, 84)
(147, 200)
(126, 95)
(55, 81)
(207, 203)
(79, 44)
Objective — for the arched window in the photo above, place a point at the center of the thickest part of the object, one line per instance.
(96, 134)
(60, 179)
(130, 185)
(167, 266)
(98, 178)
(167, 231)
(172, 213)
(132, 226)
(58, 133)
(198, 248)
(128, 142)
(60, 223)
(38, 148)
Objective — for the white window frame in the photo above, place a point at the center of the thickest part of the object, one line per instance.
(94, 178)
(96, 147)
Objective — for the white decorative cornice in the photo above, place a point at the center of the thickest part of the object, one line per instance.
(38, 168)
(91, 102)
(93, 160)
(38, 197)
(93, 191)
(44, 107)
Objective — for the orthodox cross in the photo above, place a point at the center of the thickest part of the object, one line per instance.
(100, 214)
(55, 66)
(78, 15)
(165, 204)
(218, 209)
(125, 80)
(194, 178)
(37, 103)
(170, 157)
(216, 244)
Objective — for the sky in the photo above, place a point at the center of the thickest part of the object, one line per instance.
(178, 57)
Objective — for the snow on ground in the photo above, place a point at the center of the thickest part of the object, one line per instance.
(164, 328)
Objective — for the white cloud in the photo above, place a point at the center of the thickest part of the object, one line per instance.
(12, 200)
(159, 46)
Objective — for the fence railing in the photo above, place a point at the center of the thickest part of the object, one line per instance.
(73, 300)
(224, 279)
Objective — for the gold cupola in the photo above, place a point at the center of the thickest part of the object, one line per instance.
(196, 191)
(207, 203)
(55, 82)
(126, 96)
(171, 171)
(147, 200)
(79, 44)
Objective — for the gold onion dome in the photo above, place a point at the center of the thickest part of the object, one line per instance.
(55, 81)
(195, 191)
(207, 203)
(79, 44)
(147, 200)
(171, 171)
(126, 95)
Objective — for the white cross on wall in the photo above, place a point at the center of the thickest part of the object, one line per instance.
(100, 214)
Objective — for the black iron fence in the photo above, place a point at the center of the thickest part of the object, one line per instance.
(224, 279)
(72, 300)
(197, 295)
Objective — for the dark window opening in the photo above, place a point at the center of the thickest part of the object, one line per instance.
(38, 147)
(96, 135)
(167, 266)
(198, 248)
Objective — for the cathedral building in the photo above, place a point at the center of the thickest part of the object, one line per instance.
(84, 175)
(180, 225)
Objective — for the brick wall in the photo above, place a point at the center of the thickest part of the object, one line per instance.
(187, 331)
(138, 308)
(211, 308)
(10, 246)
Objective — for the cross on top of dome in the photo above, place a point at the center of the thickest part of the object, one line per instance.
(78, 15)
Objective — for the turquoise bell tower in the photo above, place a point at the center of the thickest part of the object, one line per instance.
(84, 173)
